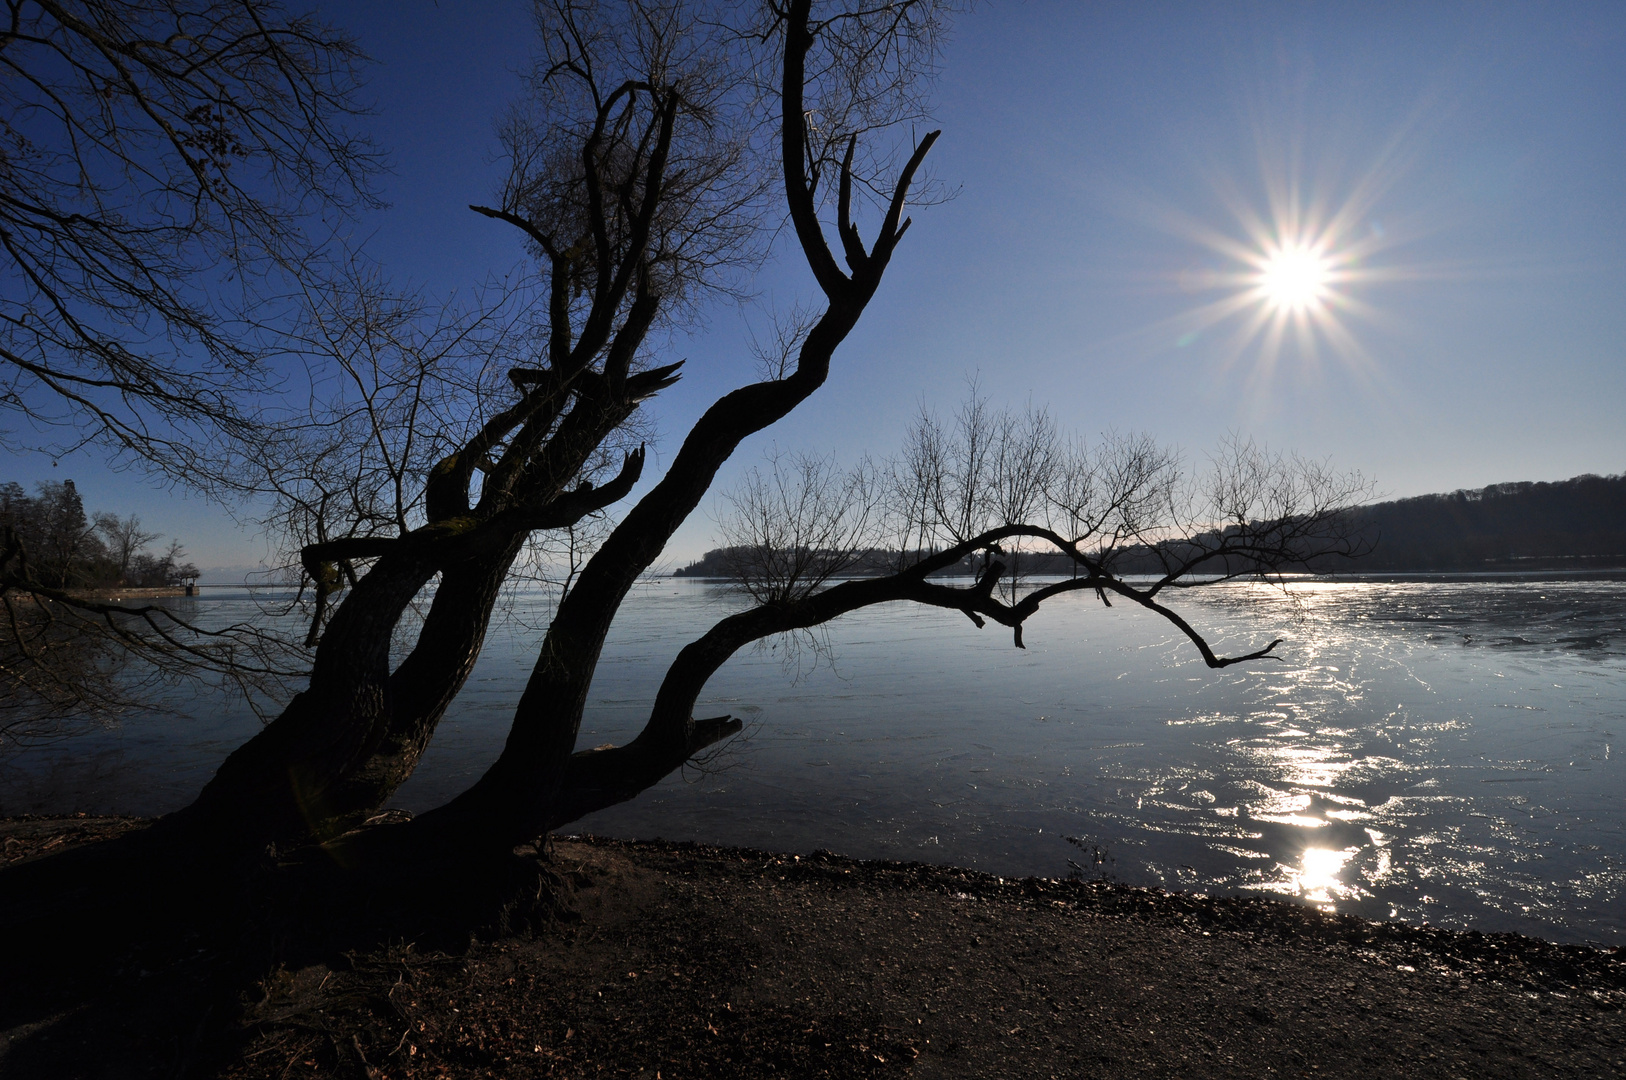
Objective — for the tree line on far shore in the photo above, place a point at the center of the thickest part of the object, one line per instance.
(69, 549)
(1578, 523)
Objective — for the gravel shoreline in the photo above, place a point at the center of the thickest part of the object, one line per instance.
(691, 961)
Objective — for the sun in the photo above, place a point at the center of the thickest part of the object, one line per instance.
(1294, 278)
(1288, 284)
(1287, 280)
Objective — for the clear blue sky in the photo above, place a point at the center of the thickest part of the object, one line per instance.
(1108, 157)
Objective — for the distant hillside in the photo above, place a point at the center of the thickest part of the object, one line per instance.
(1569, 524)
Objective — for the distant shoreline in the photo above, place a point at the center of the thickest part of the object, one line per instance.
(114, 594)
(1518, 574)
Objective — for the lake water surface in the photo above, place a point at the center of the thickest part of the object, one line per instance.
(1425, 749)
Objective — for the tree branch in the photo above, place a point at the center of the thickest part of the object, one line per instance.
(793, 151)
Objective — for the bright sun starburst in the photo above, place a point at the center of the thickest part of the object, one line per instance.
(1294, 283)
(1289, 277)
(1294, 278)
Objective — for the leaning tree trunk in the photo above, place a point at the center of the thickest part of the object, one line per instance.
(278, 785)
(533, 785)
(524, 792)
(345, 744)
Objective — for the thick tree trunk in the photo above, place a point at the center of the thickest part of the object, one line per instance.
(523, 792)
(428, 679)
(279, 785)
(344, 745)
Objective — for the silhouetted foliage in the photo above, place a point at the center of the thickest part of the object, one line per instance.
(69, 655)
(169, 171)
(62, 548)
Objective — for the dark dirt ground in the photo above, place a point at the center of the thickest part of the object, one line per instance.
(687, 961)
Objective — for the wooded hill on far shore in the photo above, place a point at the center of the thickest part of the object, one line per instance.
(1575, 524)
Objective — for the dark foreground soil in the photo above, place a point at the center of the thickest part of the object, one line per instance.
(686, 961)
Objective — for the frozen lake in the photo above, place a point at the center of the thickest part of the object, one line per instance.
(1425, 749)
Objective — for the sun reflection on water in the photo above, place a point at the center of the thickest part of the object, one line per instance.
(1319, 877)
(1380, 768)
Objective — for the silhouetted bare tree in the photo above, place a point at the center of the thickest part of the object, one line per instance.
(160, 157)
(640, 175)
(1128, 517)
(124, 538)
